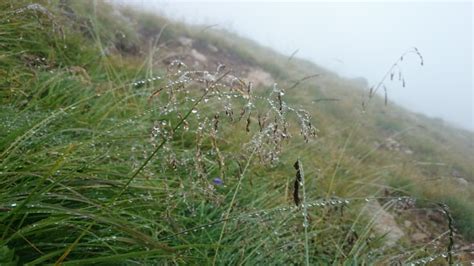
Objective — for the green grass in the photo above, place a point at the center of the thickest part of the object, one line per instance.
(83, 181)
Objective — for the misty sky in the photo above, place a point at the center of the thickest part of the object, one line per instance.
(361, 39)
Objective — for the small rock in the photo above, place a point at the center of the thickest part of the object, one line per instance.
(384, 223)
(260, 77)
(212, 48)
(184, 41)
(419, 236)
(461, 181)
(407, 223)
(198, 56)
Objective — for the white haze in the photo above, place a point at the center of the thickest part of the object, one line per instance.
(360, 40)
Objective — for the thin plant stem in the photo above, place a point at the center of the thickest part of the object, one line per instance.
(237, 188)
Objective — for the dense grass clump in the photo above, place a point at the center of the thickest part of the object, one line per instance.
(114, 153)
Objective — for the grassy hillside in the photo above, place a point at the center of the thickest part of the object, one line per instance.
(126, 138)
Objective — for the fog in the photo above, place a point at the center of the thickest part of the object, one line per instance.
(361, 40)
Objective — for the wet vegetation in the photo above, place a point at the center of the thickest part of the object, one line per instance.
(126, 138)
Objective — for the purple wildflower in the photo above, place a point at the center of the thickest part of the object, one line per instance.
(218, 181)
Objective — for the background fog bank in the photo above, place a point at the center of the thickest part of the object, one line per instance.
(361, 40)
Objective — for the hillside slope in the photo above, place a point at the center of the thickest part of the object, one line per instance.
(128, 138)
